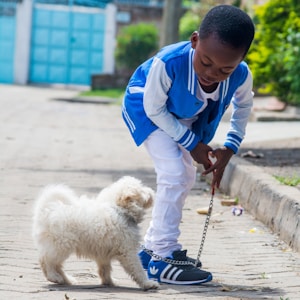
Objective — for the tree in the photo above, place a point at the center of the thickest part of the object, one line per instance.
(170, 23)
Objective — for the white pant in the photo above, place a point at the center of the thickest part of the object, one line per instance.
(176, 176)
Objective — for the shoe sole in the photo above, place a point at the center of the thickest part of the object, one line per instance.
(168, 281)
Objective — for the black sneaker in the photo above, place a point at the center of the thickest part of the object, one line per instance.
(145, 259)
(174, 273)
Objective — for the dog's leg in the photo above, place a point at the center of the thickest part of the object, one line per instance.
(104, 271)
(133, 267)
(53, 271)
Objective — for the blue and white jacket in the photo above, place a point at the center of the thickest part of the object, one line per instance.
(164, 91)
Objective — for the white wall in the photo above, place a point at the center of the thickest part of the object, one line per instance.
(22, 44)
(110, 39)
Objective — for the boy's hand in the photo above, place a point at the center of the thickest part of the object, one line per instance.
(200, 155)
(222, 156)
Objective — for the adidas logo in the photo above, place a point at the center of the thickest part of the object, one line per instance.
(153, 270)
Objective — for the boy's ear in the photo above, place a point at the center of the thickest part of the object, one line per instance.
(194, 39)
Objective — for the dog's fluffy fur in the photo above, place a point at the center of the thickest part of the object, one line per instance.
(101, 229)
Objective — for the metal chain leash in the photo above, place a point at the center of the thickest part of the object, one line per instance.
(210, 207)
(167, 260)
(185, 262)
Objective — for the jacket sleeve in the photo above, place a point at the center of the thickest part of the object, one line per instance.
(242, 104)
(155, 105)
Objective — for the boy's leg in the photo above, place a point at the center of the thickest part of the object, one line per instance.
(175, 177)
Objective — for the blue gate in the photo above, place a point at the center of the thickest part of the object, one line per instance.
(7, 40)
(67, 41)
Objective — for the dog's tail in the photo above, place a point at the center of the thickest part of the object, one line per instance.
(50, 207)
(51, 198)
(56, 194)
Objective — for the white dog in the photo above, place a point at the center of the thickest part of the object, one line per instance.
(101, 229)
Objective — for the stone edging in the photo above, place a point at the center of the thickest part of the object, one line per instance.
(274, 204)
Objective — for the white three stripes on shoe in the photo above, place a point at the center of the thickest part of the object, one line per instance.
(171, 272)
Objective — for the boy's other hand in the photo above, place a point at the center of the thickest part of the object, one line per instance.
(200, 155)
(222, 156)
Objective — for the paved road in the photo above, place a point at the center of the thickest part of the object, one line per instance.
(44, 139)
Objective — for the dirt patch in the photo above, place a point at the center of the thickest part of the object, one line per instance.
(278, 158)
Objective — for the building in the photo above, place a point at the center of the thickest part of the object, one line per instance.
(56, 41)
(65, 41)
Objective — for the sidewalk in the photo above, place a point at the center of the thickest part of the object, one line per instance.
(86, 145)
(252, 180)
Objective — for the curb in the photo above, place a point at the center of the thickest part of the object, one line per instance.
(89, 100)
(290, 113)
(272, 203)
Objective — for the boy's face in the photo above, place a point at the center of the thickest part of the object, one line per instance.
(214, 61)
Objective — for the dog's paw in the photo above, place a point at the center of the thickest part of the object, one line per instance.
(61, 278)
(71, 280)
(108, 282)
(150, 284)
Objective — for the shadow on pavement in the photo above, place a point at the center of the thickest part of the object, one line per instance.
(208, 290)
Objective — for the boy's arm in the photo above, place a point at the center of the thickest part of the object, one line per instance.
(242, 104)
(155, 105)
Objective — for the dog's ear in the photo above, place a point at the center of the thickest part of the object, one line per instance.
(124, 200)
(141, 197)
(148, 197)
(135, 204)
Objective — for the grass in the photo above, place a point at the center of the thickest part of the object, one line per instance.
(288, 180)
(105, 93)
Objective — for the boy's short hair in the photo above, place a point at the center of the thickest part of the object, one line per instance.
(231, 25)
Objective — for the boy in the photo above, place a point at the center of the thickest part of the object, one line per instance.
(173, 104)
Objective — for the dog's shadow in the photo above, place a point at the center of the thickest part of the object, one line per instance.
(97, 288)
(207, 290)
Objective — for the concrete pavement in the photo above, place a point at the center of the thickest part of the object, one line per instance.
(44, 139)
(274, 204)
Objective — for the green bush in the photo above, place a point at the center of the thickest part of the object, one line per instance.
(189, 22)
(274, 55)
(135, 43)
